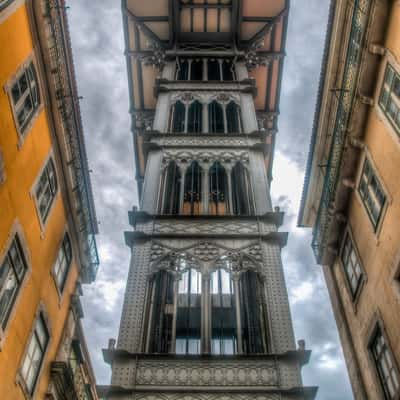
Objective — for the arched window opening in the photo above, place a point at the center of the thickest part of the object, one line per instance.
(227, 70)
(223, 318)
(233, 118)
(193, 190)
(178, 117)
(196, 70)
(170, 190)
(195, 117)
(218, 190)
(183, 70)
(242, 197)
(253, 317)
(188, 319)
(215, 118)
(162, 300)
(213, 70)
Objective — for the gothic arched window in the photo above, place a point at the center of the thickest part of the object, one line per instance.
(183, 70)
(195, 115)
(218, 190)
(223, 318)
(227, 70)
(178, 117)
(215, 118)
(233, 118)
(242, 196)
(196, 70)
(170, 190)
(161, 306)
(253, 316)
(213, 70)
(188, 317)
(193, 190)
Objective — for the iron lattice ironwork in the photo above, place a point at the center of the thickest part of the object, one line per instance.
(66, 98)
(345, 102)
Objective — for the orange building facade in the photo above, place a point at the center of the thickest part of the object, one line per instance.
(351, 197)
(47, 217)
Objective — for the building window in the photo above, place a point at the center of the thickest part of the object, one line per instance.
(178, 117)
(195, 117)
(12, 273)
(46, 190)
(223, 318)
(25, 96)
(384, 363)
(4, 3)
(215, 118)
(188, 318)
(193, 190)
(218, 185)
(170, 190)
(352, 265)
(389, 99)
(242, 196)
(63, 262)
(371, 193)
(233, 118)
(33, 359)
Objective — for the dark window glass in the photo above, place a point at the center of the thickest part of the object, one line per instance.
(63, 262)
(352, 265)
(46, 190)
(227, 70)
(162, 300)
(34, 356)
(233, 118)
(242, 196)
(385, 365)
(25, 96)
(196, 70)
(254, 327)
(218, 190)
(195, 115)
(183, 70)
(170, 190)
(215, 118)
(389, 99)
(193, 190)
(223, 318)
(188, 320)
(371, 193)
(178, 117)
(12, 273)
(214, 73)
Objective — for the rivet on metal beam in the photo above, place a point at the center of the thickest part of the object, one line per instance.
(369, 101)
(348, 183)
(356, 142)
(377, 49)
(340, 217)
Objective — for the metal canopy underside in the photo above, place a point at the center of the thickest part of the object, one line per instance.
(251, 29)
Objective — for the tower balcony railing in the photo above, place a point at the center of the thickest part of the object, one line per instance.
(345, 102)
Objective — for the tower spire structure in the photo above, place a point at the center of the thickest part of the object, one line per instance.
(206, 312)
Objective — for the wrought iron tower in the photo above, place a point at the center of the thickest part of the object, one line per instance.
(206, 313)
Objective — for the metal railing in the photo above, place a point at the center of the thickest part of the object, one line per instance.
(346, 97)
(77, 163)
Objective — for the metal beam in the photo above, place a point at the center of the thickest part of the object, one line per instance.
(146, 30)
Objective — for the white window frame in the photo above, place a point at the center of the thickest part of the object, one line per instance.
(60, 285)
(40, 315)
(33, 192)
(376, 226)
(24, 130)
(353, 292)
(388, 358)
(15, 231)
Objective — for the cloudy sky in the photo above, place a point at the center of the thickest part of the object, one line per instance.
(97, 41)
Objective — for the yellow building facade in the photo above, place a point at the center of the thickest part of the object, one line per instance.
(351, 196)
(47, 217)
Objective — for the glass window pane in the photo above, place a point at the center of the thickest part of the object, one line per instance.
(8, 290)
